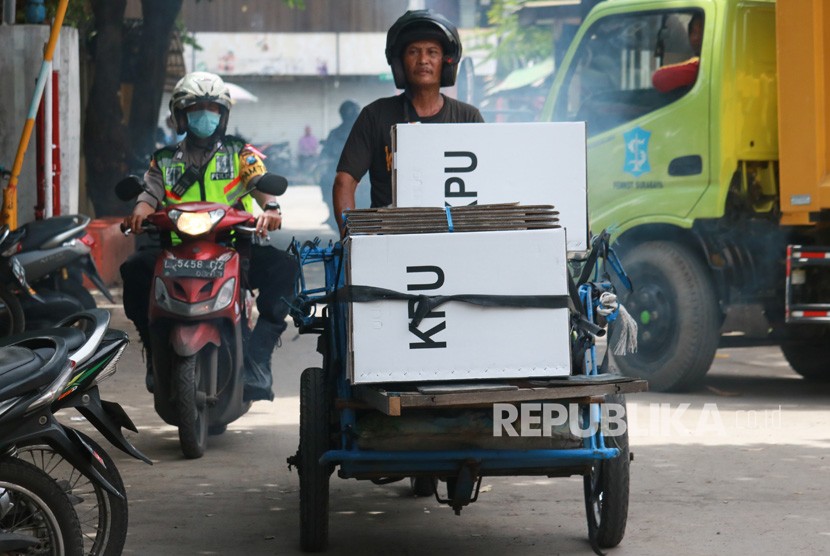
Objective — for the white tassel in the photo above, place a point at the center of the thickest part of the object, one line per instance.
(627, 340)
(607, 304)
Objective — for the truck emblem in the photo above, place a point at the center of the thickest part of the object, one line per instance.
(636, 151)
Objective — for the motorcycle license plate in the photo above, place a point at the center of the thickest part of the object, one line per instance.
(190, 268)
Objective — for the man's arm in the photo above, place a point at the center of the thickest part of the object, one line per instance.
(148, 200)
(343, 193)
(251, 170)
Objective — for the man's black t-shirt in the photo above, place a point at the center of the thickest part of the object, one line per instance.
(369, 146)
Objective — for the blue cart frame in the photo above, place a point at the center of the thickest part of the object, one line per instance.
(329, 406)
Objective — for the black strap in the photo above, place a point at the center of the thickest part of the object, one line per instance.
(193, 174)
(427, 303)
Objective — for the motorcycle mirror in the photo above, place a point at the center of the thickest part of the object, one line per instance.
(272, 184)
(129, 188)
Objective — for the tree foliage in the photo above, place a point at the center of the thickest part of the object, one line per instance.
(120, 122)
(516, 45)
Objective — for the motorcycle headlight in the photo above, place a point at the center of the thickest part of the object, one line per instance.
(195, 223)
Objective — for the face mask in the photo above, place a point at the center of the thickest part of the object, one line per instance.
(202, 122)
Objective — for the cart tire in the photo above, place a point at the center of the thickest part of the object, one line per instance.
(606, 490)
(192, 411)
(677, 313)
(423, 486)
(314, 477)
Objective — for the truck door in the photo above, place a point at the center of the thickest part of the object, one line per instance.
(647, 148)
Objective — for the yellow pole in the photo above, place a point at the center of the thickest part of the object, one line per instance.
(9, 213)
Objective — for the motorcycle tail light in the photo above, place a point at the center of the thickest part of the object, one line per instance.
(88, 240)
(111, 367)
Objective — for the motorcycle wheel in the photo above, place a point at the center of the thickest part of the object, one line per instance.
(191, 406)
(35, 508)
(103, 516)
(12, 320)
(78, 291)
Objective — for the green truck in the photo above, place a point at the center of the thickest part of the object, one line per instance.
(717, 191)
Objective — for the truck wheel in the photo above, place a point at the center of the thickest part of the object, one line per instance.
(806, 350)
(677, 315)
(314, 477)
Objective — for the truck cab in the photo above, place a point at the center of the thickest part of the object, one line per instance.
(685, 177)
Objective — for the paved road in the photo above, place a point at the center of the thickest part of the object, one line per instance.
(743, 469)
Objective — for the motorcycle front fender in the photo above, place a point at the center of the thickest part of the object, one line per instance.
(189, 339)
(65, 441)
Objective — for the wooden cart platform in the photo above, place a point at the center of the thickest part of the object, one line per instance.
(392, 399)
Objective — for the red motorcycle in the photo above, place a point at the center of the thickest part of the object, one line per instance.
(199, 317)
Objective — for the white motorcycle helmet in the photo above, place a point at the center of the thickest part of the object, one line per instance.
(200, 86)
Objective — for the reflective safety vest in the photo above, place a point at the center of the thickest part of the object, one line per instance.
(221, 181)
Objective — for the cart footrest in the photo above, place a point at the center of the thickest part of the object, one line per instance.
(364, 462)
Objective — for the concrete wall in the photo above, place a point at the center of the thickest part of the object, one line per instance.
(22, 47)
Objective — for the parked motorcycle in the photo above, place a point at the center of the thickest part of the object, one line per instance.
(198, 314)
(93, 350)
(33, 372)
(54, 255)
(12, 320)
(104, 517)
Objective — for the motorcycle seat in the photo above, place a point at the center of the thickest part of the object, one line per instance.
(49, 233)
(73, 337)
(22, 370)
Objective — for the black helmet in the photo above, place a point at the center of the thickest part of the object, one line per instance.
(417, 25)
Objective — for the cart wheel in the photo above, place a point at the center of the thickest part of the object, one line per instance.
(314, 477)
(423, 486)
(606, 490)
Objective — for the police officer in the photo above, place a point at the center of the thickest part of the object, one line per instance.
(423, 48)
(211, 166)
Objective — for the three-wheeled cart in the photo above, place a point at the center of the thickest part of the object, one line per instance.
(441, 436)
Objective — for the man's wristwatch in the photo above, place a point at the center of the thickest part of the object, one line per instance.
(272, 205)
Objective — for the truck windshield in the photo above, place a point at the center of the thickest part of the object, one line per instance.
(610, 79)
